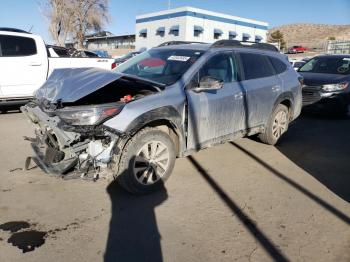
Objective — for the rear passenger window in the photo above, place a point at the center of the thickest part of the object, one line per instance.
(256, 66)
(279, 66)
(16, 46)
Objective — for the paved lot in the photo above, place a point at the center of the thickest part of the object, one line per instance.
(242, 201)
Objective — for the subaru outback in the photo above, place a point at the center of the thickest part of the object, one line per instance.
(131, 124)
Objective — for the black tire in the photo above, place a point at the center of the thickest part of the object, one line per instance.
(268, 136)
(136, 182)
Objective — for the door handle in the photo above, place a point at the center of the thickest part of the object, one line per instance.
(35, 63)
(276, 88)
(239, 96)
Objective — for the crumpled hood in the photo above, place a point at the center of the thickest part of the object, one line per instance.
(315, 79)
(70, 84)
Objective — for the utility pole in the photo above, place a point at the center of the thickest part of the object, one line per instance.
(169, 4)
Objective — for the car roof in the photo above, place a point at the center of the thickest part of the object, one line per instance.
(199, 47)
(335, 55)
(205, 47)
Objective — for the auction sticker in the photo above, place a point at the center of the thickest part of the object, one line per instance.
(178, 58)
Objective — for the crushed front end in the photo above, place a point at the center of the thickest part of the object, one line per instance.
(70, 150)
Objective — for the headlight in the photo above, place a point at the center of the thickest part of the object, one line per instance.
(335, 87)
(87, 115)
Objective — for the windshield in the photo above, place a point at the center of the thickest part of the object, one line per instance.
(164, 66)
(328, 65)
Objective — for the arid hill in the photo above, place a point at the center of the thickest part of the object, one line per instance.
(312, 35)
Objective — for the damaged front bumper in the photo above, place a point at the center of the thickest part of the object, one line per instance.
(80, 152)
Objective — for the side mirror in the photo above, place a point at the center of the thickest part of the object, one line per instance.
(208, 83)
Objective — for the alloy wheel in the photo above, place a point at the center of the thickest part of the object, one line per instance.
(151, 162)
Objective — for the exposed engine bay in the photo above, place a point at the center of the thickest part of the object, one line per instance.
(70, 138)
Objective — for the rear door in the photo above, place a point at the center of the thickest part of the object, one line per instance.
(214, 114)
(262, 87)
(23, 65)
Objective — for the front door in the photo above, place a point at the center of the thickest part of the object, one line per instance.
(215, 114)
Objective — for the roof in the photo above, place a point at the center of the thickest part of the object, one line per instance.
(111, 36)
(224, 44)
(201, 47)
(200, 13)
(334, 55)
(14, 30)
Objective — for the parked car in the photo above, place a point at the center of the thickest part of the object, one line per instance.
(297, 64)
(101, 53)
(59, 51)
(126, 57)
(168, 102)
(297, 49)
(326, 80)
(25, 64)
(84, 53)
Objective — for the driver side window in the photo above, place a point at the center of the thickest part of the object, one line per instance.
(221, 67)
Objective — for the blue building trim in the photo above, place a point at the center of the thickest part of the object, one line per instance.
(199, 15)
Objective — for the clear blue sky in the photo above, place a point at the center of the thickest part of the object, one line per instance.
(26, 13)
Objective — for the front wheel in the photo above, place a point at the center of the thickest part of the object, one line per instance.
(147, 161)
(276, 126)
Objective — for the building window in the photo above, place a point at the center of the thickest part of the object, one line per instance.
(232, 35)
(143, 33)
(258, 38)
(161, 31)
(197, 30)
(174, 30)
(245, 37)
(217, 33)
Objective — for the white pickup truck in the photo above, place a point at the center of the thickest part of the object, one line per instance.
(26, 63)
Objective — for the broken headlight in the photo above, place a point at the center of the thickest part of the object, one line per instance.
(87, 115)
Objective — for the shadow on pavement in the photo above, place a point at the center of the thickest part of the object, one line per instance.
(321, 146)
(338, 213)
(251, 226)
(133, 232)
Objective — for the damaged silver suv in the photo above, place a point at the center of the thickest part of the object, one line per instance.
(171, 101)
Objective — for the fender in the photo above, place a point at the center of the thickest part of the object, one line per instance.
(167, 114)
(285, 96)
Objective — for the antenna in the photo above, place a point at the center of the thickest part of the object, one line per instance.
(30, 30)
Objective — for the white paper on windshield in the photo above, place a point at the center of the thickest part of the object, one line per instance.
(346, 59)
(178, 58)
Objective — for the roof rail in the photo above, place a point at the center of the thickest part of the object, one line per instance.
(15, 30)
(247, 44)
(179, 43)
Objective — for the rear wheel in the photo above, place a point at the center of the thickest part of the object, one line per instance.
(147, 161)
(276, 126)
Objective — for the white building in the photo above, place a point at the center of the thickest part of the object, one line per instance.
(193, 24)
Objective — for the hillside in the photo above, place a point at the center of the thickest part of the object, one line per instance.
(312, 35)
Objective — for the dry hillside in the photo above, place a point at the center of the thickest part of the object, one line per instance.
(312, 35)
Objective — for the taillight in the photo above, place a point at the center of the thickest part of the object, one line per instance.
(114, 65)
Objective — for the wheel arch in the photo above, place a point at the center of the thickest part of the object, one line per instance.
(166, 119)
(286, 99)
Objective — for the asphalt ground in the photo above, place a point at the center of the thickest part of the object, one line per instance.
(241, 201)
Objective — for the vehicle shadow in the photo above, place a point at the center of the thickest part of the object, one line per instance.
(133, 232)
(321, 146)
